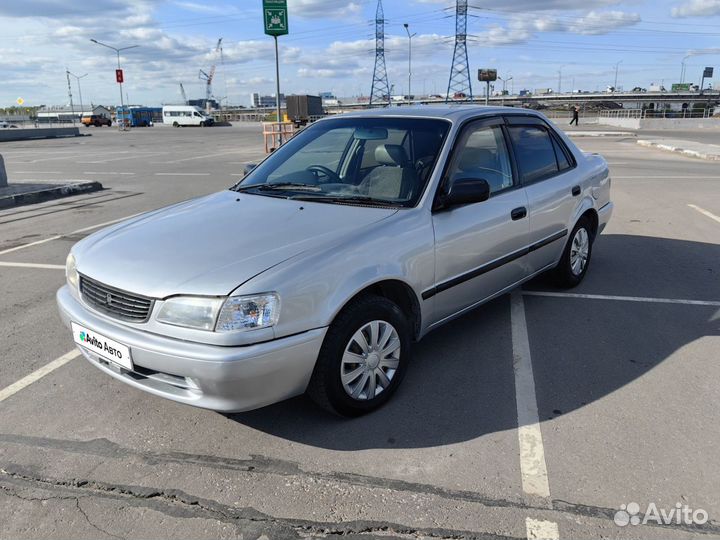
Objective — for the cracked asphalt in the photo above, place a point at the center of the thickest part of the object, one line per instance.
(624, 376)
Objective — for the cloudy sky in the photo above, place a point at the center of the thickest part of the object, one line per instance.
(330, 47)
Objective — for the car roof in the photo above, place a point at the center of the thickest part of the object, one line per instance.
(455, 113)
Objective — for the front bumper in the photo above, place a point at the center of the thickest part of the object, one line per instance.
(227, 379)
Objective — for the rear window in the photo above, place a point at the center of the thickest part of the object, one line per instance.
(534, 152)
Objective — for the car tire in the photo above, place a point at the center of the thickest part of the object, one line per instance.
(202, 124)
(175, 124)
(336, 377)
(575, 260)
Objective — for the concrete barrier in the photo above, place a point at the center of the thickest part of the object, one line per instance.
(3, 173)
(12, 134)
(663, 123)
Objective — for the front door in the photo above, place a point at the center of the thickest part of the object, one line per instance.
(480, 249)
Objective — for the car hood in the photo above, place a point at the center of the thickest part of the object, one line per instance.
(211, 245)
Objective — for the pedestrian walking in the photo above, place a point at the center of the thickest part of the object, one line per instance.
(576, 115)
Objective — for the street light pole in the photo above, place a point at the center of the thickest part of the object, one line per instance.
(560, 78)
(77, 78)
(682, 68)
(117, 51)
(72, 107)
(617, 65)
(410, 36)
(504, 81)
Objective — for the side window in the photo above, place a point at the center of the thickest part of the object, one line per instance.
(482, 154)
(534, 152)
(562, 160)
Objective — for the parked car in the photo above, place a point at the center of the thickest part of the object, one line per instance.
(96, 120)
(5, 124)
(317, 271)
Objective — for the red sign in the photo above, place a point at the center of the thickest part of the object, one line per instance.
(119, 76)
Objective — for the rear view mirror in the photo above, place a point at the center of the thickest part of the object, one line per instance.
(370, 134)
(466, 191)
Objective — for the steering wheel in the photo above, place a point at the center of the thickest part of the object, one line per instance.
(322, 169)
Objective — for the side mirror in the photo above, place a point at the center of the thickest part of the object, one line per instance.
(248, 167)
(466, 191)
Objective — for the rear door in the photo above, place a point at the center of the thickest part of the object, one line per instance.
(547, 172)
(479, 248)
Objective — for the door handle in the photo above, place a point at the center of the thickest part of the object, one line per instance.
(518, 213)
(576, 191)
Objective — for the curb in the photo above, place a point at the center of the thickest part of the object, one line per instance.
(56, 192)
(600, 134)
(679, 150)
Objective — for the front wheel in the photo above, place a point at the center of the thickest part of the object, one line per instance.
(175, 124)
(202, 123)
(575, 260)
(363, 358)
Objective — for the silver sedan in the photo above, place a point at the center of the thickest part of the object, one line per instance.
(318, 271)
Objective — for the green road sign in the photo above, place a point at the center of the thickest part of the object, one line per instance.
(276, 17)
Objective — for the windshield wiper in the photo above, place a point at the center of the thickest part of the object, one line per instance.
(361, 199)
(285, 186)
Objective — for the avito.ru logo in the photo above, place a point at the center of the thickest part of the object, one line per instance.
(629, 514)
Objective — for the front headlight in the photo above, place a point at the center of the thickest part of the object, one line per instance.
(249, 312)
(190, 311)
(71, 273)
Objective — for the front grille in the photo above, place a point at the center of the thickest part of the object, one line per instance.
(114, 302)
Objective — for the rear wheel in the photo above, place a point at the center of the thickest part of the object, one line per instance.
(576, 258)
(363, 358)
(175, 124)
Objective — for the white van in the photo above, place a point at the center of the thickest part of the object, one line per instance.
(185, 115)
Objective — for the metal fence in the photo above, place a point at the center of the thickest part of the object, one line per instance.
(705, 112)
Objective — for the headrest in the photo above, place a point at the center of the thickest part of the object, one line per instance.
(391, 154)
(476, 158)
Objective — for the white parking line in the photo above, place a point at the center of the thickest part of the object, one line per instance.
(705, 212)
(110, 172)
(204, 156)
(15, 387)
(532, 454)
(36, 172)
(623, 298)
(541, 530)
(533, 469)
(33, 265)
(673, 177)
(56, 237)
(182, 174)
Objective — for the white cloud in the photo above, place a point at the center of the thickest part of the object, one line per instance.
(602, 22)
(335, 9)
(513, 6)
(697, 8)
(521, 28)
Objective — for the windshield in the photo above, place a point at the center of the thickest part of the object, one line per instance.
(385, 161)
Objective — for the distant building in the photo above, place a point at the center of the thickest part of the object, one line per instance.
(258, 101)
(203, 103)
(66, 114)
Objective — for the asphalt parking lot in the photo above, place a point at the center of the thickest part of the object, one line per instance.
(535, 416)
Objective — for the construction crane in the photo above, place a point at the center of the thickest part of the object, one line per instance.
(184, 96)
(208, 77)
